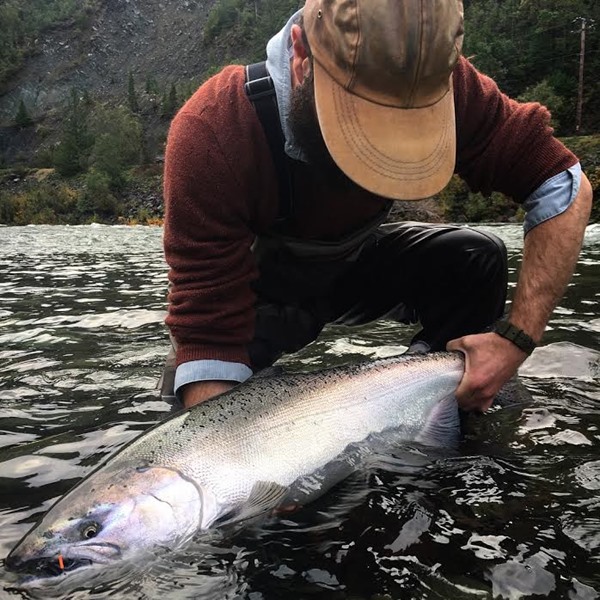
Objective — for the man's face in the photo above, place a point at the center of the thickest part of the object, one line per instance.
(305, 127)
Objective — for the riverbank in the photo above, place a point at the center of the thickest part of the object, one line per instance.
(42, 196)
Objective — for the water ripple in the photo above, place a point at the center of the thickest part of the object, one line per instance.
(513, 513)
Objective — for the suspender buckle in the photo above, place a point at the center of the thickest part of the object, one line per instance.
(259, 88)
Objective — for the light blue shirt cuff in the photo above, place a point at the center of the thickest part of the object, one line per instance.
(552, 198)
(210, 370)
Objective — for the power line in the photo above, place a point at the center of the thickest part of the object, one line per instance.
(531, 34)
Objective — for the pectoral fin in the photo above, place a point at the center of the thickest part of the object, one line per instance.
(443, 425)
(265, 496)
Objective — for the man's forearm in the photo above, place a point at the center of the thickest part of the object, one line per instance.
(550, 254)
(200, 391)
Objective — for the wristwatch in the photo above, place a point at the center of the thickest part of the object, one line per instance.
(517, 336)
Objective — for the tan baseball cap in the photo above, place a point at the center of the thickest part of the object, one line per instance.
(383, 90)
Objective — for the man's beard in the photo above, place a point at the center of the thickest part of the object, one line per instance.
(307, 133)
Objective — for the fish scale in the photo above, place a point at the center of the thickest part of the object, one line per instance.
(268, 441)
(309, 418)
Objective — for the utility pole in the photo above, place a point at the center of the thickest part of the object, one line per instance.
(586, 25)
(581, 65)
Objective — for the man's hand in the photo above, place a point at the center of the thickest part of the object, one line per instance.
(199, 391)
(490, 361)
(549, 256)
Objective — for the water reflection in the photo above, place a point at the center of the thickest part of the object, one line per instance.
(514, 514)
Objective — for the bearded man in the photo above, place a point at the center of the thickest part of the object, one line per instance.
(376, 104)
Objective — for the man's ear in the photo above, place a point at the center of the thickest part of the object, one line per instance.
(300, 65)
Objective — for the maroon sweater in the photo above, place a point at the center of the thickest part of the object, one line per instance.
(221, 190)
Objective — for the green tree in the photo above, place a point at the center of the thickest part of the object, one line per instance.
(222, 17)
(173, 102)
(72, 151)
(117, 145)
(545, 94)
(98, 199)
(152, 88)
(169, 102)
(7, 209)
(247, 24)
(22, 118)
(521, 43)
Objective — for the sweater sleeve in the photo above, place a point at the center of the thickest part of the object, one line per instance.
(503, 145)
(210, 217)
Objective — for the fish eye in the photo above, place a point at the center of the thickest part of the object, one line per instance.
(90, 530)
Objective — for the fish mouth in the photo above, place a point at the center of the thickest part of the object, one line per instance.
(60, 563)
(47, 567)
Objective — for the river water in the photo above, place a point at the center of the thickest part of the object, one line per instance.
(515, 513)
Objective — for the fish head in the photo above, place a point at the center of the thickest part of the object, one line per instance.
(112, 516)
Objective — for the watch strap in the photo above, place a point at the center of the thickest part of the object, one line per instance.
(517, 336)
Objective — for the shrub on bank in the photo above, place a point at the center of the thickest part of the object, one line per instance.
(95, 196)
(44, 203)
(458, 204)
(594, 177)
(40, 196)
(588, 149)
(97, 202)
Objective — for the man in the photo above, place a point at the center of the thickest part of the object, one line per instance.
(376, 103)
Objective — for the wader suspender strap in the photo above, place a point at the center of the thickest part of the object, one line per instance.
(261, 92)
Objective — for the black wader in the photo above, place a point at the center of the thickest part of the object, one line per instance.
(452, 280)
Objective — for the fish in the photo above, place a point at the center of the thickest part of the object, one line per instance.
(267, 444)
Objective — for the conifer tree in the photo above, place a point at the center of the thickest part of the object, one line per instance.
(173, 99)
(73, 150)
(22, 118)
(169, 102)
(151, 86)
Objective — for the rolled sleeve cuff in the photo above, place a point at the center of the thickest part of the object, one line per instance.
(552, 198)
(210, 370)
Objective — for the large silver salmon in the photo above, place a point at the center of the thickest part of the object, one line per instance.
(268, 442)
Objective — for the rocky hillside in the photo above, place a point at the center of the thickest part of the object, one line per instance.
(157, 38)
(111, 43)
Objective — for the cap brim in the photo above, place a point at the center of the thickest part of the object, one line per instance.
(404, 154)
